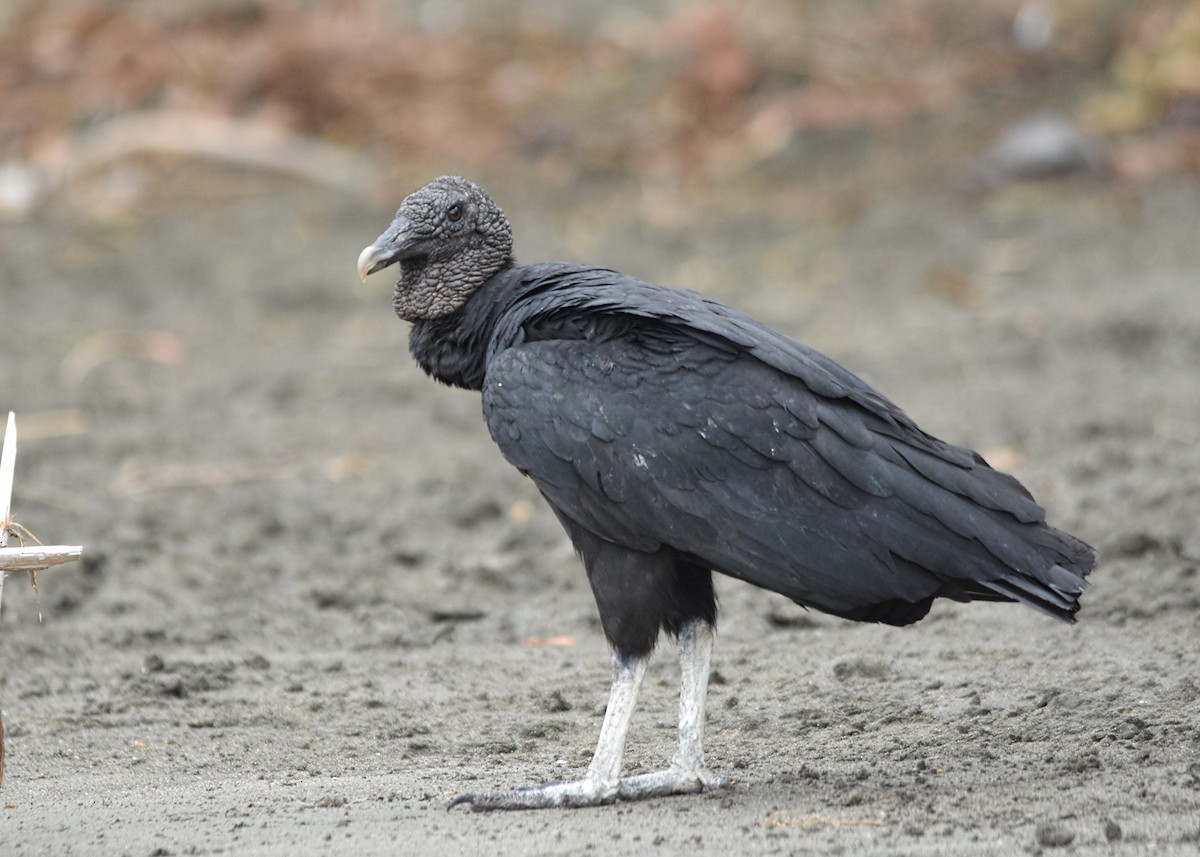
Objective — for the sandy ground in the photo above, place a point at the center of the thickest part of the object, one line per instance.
(317, 604)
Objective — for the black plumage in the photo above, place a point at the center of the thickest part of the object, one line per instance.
(675, 436)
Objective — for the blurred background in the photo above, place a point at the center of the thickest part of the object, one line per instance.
(776, 108)
(724, 146)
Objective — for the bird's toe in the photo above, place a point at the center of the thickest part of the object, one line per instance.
(672, 781)
(549, 795)
(713, 781)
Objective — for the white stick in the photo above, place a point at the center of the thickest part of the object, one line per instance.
(8, 466)
(23, 558)
(37, 557)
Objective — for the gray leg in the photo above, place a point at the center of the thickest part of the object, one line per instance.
(687, 773)
(602, 783)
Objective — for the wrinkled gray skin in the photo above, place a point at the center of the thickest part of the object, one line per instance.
(448, 238)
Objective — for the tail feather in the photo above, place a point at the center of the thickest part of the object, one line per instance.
(1056, 589)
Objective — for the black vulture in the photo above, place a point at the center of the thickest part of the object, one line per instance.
(673, 437)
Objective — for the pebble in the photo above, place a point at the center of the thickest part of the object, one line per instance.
(1044, 145)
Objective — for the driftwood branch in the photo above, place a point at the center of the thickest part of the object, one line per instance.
(37, 557)
(8, 467)
(28, 559)
(24, 558)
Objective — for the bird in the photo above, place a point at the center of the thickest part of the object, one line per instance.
(674, 436)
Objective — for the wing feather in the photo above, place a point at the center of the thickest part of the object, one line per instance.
(817, 489)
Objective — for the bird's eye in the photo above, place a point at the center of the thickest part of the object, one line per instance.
(454, 213)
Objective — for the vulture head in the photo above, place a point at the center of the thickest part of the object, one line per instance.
(448, 239)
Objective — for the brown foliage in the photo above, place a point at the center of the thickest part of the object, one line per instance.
(710, 87)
